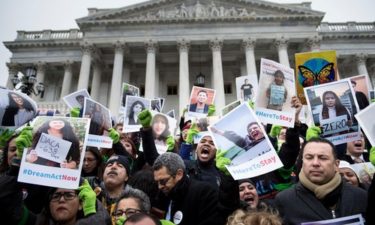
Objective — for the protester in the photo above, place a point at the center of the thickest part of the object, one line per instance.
(9, 151)
(320, 193)
(142, 219)
(191, 201)
(347, 172)
(254, 217)
(92, 163)
(355, 151)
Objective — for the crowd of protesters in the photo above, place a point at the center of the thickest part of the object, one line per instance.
(189, 184)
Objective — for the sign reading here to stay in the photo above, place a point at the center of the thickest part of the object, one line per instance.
(52, 148)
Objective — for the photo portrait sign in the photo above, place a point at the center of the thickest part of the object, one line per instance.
(314, 68)
(276, 89)
(134, 105)
(128, 89)
(246, 87)
(333, 106)
(246, 143)
(100, 124)
(200, 100)
(162, 127)
(76, 99)
(16, 109)
(55, 157)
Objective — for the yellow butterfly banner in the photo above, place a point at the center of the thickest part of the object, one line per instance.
(314, 68)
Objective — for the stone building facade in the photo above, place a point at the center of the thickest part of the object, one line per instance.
(162, 45)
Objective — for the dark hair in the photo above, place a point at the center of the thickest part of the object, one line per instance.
(144, 181)
(250, 124)
(353, 82)
(279, 72)
(319, 140)
(131, 113)
(123, 136)
(139, 196)
(340, 108)
(26, 104)
(98, 171)
(166, 133)
(68, 135)
(4, 166)
(202, 91)
(140, 216)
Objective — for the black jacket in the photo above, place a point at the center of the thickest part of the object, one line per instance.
(298, 204)
(196, 201)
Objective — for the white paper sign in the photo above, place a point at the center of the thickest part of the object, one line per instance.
(52, 148)
(99, 141)
(348, 220)
(334, 125)
(366, 121)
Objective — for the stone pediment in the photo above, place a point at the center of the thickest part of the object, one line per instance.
(163, 11)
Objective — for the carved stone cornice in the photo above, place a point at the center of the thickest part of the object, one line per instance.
(183, 45)
(88, 48)
(13, 68)
(281, 42)
(151, 46)
(314, 42)
(68, 64)
(248, 43)
(41, 66)
(120, 47)
(216, 44)
(361, 58)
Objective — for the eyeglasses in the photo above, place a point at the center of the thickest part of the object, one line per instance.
(127, 213)
(67, 196)
(164, 181)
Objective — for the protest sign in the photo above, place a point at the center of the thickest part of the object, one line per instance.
(334, 101)
(246, 88)
(347, 220)
(230, 107)
(245, 142)
(314, 68)
(200, 100)
(134, 105)
(128, 89)
(276, 89)
(76, 99)
(51, 168)
(162, 127)
(16, 109)
(362, 86)
(52, 148)
(366, 120)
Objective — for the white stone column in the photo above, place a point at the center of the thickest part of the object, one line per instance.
(40, 75)
(361, 63)
(67, 80)
(84, 74)
(150, 69)
(217, 78)
(13, 71)
(114, 100)
(248, 45)
(314, 43)
(96, 81)
(282, 47)
(126, 73)
(157, 80)
(183, 83)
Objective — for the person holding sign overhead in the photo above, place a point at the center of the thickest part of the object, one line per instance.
(276, 92)
(61, 129)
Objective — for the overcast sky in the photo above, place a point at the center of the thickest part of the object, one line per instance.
(36, 15)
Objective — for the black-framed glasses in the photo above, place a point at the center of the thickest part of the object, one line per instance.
(164, 181)
(67, 196)
(128, 212)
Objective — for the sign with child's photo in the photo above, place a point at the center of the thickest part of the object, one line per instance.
(314, 68)
(134, 105)
(276, 89)
(247, 87)
(245, 143)
(333, 107)
(200, 100)
(55, 156)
